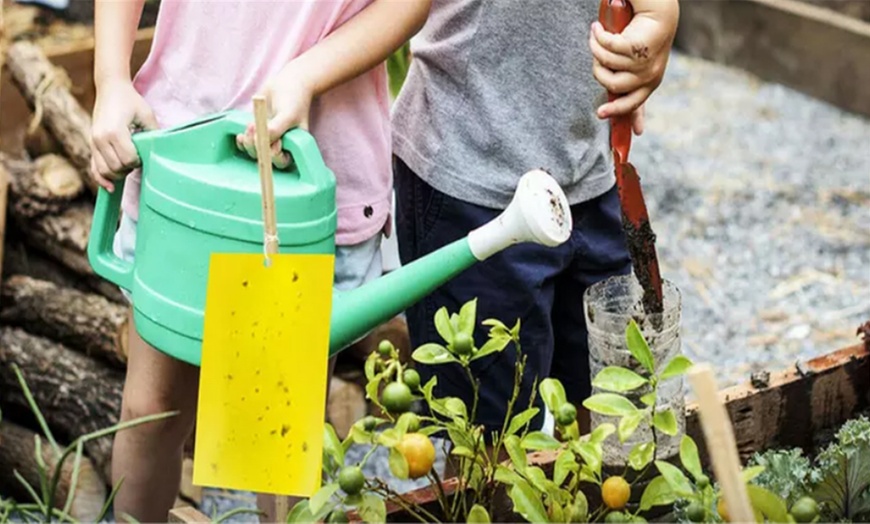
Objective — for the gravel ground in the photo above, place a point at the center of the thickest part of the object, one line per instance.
(760, 198)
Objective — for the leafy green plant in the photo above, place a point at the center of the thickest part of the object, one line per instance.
(397, 68)
(844, 490)
(788, 473)
(45, 505)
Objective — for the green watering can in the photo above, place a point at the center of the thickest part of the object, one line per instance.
(200, 195)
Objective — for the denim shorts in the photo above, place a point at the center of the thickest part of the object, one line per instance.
(354, 265)
(540, 286)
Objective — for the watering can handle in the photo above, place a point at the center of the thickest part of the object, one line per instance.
(298, 142)
(100, 253)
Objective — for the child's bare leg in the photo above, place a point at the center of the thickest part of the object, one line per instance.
(268, 505)
(148, 457)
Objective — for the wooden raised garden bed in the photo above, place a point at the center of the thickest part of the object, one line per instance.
(818, 47)
(789, 408)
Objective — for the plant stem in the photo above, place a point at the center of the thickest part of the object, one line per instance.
(388, 494)
(442, 497)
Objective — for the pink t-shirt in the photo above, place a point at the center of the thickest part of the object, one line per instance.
(212, 56)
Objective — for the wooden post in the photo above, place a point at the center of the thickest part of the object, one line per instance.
(187, 514)
(721, 443)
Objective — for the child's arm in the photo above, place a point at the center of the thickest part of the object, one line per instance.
(633, 62)
(117, 104)
(360, 44)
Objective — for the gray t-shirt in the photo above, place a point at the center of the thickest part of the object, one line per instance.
(499, 87)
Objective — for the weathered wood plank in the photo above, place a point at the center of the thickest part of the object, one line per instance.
(187, 514)
(815, 50)
(78, 60)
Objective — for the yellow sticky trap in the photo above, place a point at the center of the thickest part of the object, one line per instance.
(263, 378)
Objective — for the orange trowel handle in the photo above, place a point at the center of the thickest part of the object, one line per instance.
(615, 15)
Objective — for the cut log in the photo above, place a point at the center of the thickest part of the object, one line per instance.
(46, 89)
(85, 322)
(46, 186)
(18, 453)
(76, 394)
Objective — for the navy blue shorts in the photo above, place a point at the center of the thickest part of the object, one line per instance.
(543, 287)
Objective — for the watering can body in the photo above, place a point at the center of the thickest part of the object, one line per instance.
(200, 196)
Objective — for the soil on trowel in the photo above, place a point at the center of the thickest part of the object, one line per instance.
(641, 244)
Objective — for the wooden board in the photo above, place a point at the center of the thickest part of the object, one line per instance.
(820, 52)
(797, 402)
(78, 60)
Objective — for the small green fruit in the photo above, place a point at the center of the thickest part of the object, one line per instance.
(337, 516)
(805, 509)
(351, 480)
(695, 512)
(397, 397)
(370, 423)
(411, 378)
(385, 348)
(566, 414)
(616, 516)
(413, 423)
(463, 344)
(703, 482)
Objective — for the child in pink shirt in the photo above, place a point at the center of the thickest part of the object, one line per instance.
(321, 64)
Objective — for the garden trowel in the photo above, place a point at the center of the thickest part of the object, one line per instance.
(615, 15)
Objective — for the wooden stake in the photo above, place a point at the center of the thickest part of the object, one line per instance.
(721, 443)
(264, 161)
(187, 514)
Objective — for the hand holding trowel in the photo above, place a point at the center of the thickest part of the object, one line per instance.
(615, 15)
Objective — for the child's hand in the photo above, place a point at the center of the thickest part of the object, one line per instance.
(118, 106)
(289, 99)
(633, 62)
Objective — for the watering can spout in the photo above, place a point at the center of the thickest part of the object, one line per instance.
(539, 213)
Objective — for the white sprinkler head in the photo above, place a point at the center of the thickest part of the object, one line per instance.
(539, 213)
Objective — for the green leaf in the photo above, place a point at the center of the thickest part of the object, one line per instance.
(389, 438)
(456, 407)
(506, 475)
(538, 440)
(649, 399)
(666, 422)
(398, 464)
(657, 493)
(751, 472)
(591, 455)
(638, 347)
(527, 503)
(515, 452)
(372, 509)
(521, 419)
(430, 430)
(677, 366)
(537, 478)
(432, 354)
(332, 445)
(675, 478)
(322, 497)
(462, 451)
(629, 423)
(495, 344)
(467, 316)
(372, 387)
(300, 513)
(641, 455)
(478, 515)
(443, 325)
(566, 463)
(580, 507)
(620, 380)
(371, 362)
(771, 506)
(553, 393)
(689, 457)
(601, 432)
(610, 404)
(358, 435)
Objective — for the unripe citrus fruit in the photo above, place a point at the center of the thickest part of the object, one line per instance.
(463, 343)
(419, 453)
(615, 492)
(566, 414)
(411, 378)
(351, 479)
(396, 397)
(385, 348)
(805, 509)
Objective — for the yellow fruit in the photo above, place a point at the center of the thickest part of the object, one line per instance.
(615, 492)
(419, 453)
(722, 509)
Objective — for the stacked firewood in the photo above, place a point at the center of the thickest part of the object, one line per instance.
(63, 326)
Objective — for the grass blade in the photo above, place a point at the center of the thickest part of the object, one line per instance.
(30, 490)
(126, 425)
(109, 500)
(33, 407)
(73, 484)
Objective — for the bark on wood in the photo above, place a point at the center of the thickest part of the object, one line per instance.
(46, 89)
(45, 186)
(18, 453)
(76, 394)
(85, 322)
